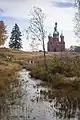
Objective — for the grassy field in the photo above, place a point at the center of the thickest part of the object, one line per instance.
(22, 55)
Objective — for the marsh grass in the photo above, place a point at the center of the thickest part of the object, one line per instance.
(59, 74)
(63, 75)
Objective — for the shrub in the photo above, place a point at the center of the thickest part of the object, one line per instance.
(57, 81)
(56, 66)
(39, 73)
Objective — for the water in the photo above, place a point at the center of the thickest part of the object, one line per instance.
(24, 102)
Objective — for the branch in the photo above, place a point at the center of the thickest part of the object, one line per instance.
(37, 36)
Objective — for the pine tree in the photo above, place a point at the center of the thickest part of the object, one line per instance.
(3, 33)
(15, 40)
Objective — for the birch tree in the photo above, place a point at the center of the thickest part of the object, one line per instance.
(36, 28)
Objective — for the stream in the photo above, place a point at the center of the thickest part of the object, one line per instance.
(24, 102)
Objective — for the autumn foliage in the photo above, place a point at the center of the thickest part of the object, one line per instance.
(3, 33)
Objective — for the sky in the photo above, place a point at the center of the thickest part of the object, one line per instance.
(62, 11)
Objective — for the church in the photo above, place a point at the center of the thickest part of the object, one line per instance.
(54, 44)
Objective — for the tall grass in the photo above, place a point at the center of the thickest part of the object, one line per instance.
(59, 73)
(7, 74)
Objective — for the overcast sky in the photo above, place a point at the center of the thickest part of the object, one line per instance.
(62, 11)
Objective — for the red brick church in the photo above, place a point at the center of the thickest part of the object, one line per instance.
(54, 45)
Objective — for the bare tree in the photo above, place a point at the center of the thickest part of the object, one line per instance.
(34, 45)
(36, 28)
(77, 19)
(77, 3)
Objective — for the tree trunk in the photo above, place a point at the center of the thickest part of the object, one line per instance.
(45, 63)
(61, 54)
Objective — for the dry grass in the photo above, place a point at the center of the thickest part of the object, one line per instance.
(22, 55)
(7, 74)
(18, 54)
(8, 67)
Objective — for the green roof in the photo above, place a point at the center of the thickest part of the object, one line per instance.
(55, 32)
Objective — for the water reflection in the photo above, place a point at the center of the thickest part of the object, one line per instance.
(23, 101)
(65, 106)
(11, 100)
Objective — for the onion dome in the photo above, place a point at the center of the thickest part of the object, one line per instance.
(55, 30)
(49, 35)
(62, 35)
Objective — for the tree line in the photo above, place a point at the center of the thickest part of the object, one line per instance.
(15, 39)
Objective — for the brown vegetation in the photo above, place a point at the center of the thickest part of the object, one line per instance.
(11, 59)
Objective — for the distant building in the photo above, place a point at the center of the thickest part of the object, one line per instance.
(54, 45)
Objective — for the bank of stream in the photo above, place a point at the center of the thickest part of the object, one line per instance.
(24, 102)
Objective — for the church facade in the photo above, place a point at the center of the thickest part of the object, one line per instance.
(54, 44)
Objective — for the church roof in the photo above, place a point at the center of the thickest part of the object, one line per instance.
(49, 35)
(55, 30)
(61, 35)
(56, 33)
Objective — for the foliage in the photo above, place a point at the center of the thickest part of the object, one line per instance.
(72, 48)
(3, 33)
(39, 73)
(75, 48)
(15, 40)
(56, 66)
(58, 70)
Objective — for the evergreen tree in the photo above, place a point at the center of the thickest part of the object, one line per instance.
(15, 40)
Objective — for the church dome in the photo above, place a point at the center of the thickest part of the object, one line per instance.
(56, 33)
(61, 35)
(55, 30)
(49, 34)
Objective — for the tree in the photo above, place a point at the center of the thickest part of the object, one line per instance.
(72, 48)
(77, 49)
(3, 33)
(77, 19)
(15, 40)
(36, 28)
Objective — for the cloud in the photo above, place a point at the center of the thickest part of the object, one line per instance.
(17, 11)
(62, 4)
(1, 10)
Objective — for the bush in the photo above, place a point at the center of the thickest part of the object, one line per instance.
(57, 81)
(57, 66)
(57, 71)
(39, 73)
